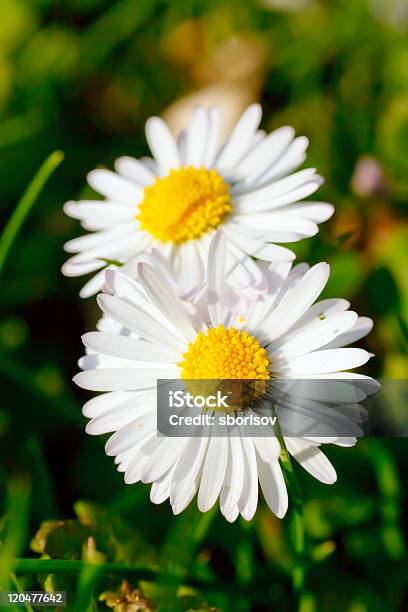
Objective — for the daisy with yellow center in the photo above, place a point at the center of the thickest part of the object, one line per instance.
(148, 333)
(184, 205)
(225, 354)
(192, 188)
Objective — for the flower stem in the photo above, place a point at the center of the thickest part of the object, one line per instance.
(25, 204)
(297, 526)
(297, 521)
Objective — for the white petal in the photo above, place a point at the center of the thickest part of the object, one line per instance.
(123, 459)
(122, 284)
(213, 118)
(289, 197)
(134, 170)
(146, 448)
(132, 293)
(216, 279)
(312, 337)
(267, 448)
(188, 467)
(189, 269)
(240, 138)
(165, 299)
(196, 138)
(156, 259)
(315, 211)
(326, 391)
(74, 268)
(181, 144)
(233, 515)
(160, 490)
(290, 160)
(122, 414)
(162, 145)
(276, 222)
(92, 361)
(275, 275)
(90, 241)
(346, 442)
(294, 304)
(321, 310)
(249, 497)
(273, 487)
(136, 320)
(182, 505)
(257, 248)
(361, 328)
(265, 154)
(150, 164)
(132, 434)
(312, 460)
(265, 199)
(94, 285)
(128, 348)
(331, 360)
(99, 214)
(127, 379)
(163, 458)
(100, 404)
(232, 487)
(295, 275)
(213, 474)
(126, 245)
(270, 193)
(270, 235)
(114, 187)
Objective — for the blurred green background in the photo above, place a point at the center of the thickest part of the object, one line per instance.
(82, 76)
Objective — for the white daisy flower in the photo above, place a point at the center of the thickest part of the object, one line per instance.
(284, 336)
(192, 188)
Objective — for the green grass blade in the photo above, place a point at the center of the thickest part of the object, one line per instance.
(190, 528)
(297, 521)
(87, 583)
(44, 501)
(146, 573)
(389, 506)
(17, 511)
(25, 204)
(244, 563)
(15, 581)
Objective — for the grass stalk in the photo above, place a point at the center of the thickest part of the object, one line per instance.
(25, 204)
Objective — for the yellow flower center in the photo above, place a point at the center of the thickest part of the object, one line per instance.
(184, 205)
(227, 354)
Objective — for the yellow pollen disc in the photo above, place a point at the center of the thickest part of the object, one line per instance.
(225, 354)
(184, 205)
